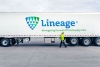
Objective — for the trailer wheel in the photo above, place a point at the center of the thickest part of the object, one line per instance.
(73, 41)
(86, 41)
(13, 41)
(96, 41)
(5, 42)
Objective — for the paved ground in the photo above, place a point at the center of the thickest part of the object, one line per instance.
(40, 55)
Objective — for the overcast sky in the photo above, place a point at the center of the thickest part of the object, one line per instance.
(49, 5)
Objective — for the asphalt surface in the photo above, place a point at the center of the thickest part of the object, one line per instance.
(38, 54)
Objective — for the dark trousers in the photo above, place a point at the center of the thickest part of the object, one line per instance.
(62, 42)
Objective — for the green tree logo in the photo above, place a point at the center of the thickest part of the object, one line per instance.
(32, 21)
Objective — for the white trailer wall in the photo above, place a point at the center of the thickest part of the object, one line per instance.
(15, 25)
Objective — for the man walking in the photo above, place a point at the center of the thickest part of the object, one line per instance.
(62, 39)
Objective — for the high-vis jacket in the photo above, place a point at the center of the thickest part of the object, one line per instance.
(61, 36)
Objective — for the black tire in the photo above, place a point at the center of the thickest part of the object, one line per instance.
(5, 42)
(73, 41)
(67, 39)
(13, 41)
(86, 41)
(96, 41)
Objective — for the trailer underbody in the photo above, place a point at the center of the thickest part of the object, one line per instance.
(73, 41)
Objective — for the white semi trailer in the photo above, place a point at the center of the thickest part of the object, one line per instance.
(79, 28)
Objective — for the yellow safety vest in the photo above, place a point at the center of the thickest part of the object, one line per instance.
(61, 36)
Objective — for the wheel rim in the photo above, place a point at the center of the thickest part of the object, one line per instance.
(74, 41)
(98, 41)
(5, 42)
(86, 41)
